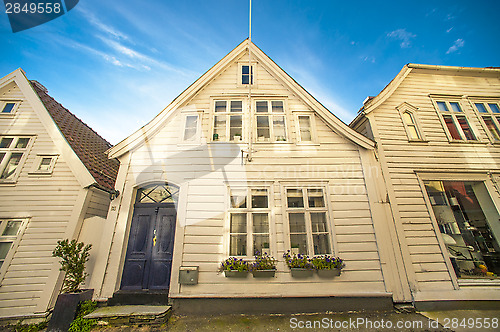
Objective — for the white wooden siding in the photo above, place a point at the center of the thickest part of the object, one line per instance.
(48, 201)
(333, 162)
(438, 154)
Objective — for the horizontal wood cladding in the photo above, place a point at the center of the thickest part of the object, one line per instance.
(437, 154)
(46, 201)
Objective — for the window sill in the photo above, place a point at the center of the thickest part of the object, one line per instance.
(40, 173)
(7, 115)
(479, 282)
(467, 142)
(4, 183)
(273, 142)
(308, 144)
(418, 141)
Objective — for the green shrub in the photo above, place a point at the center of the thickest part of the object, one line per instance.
(74, 256)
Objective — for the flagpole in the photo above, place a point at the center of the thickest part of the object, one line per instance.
(250, 81)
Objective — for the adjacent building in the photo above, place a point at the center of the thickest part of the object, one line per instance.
(55, 183)
(437, 131)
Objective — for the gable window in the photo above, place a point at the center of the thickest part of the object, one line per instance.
(308, 221)
(9, 230)
(305, 129)
(249, 222)
(228, 120)
(270, 116)
(411, 126)
(44, 164)
(247, 74)
(490, 114)
(12, 151)
(8, 107)
(455, 121)
(191, 128)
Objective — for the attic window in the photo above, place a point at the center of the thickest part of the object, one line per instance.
(12, 155)
(44, 164)
(245, 75)
(8, 107)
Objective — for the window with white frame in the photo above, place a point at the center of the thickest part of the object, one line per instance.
(249, 222)
(9, 230)
(190, 128)
(12, 151)
(247, 74)
(8, 107)
(305, 128)
(228, 120)
(270, 118)
(44, 164)
(455, 121)
(490, 114)
(308, 221)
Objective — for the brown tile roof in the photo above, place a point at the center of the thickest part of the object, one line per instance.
(87, 144)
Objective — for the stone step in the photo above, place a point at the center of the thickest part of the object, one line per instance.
(132, 314)
(138, 298)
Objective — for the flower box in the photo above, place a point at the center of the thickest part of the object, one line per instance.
(329, 273)
(235, 274)
(263, 273)
(301, 273)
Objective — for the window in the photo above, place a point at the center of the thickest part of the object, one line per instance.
(305, 128)
(455, 121)
(9, 230)
(308, 221)
(249, 222)
(8, 107)
(191, 128)
(12, 151)
(246, 76)
(468, 223)
(490, 113)
(228, 120)
(270, 116)
(44, 164)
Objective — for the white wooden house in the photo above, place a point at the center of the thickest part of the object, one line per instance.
(54, 178)
(437, 130)
(246, 159)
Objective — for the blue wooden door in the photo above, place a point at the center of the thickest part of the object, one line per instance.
(148, 262)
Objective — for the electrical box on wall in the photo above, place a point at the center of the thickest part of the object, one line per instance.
(188, 275)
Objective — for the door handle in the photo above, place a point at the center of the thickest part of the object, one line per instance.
(154, 241)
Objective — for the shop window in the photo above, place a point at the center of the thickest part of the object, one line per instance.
(469, 226)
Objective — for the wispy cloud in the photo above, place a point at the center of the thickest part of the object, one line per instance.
(92, 19)
(402, 35)
(459, 43)
(138, 56)
(368, 58)
(448, 31)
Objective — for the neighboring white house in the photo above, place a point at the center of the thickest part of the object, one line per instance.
(245, 159)
(54, 178)
(437, 130)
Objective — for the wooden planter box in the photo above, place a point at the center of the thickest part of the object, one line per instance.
(65, 309)
(236, 274)
(329, 273)
(263, 273)
(301, 273)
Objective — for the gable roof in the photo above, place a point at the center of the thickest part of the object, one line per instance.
(157, 122)
(85, 142)
(372, 103)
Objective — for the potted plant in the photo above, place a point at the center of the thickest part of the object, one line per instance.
(74, 255)
(234, 268)
(327, 266)
(264, 265)
(300, 265)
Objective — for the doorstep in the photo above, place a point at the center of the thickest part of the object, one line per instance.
(132, 314)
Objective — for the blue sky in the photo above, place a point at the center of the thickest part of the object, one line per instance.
(116, 64)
